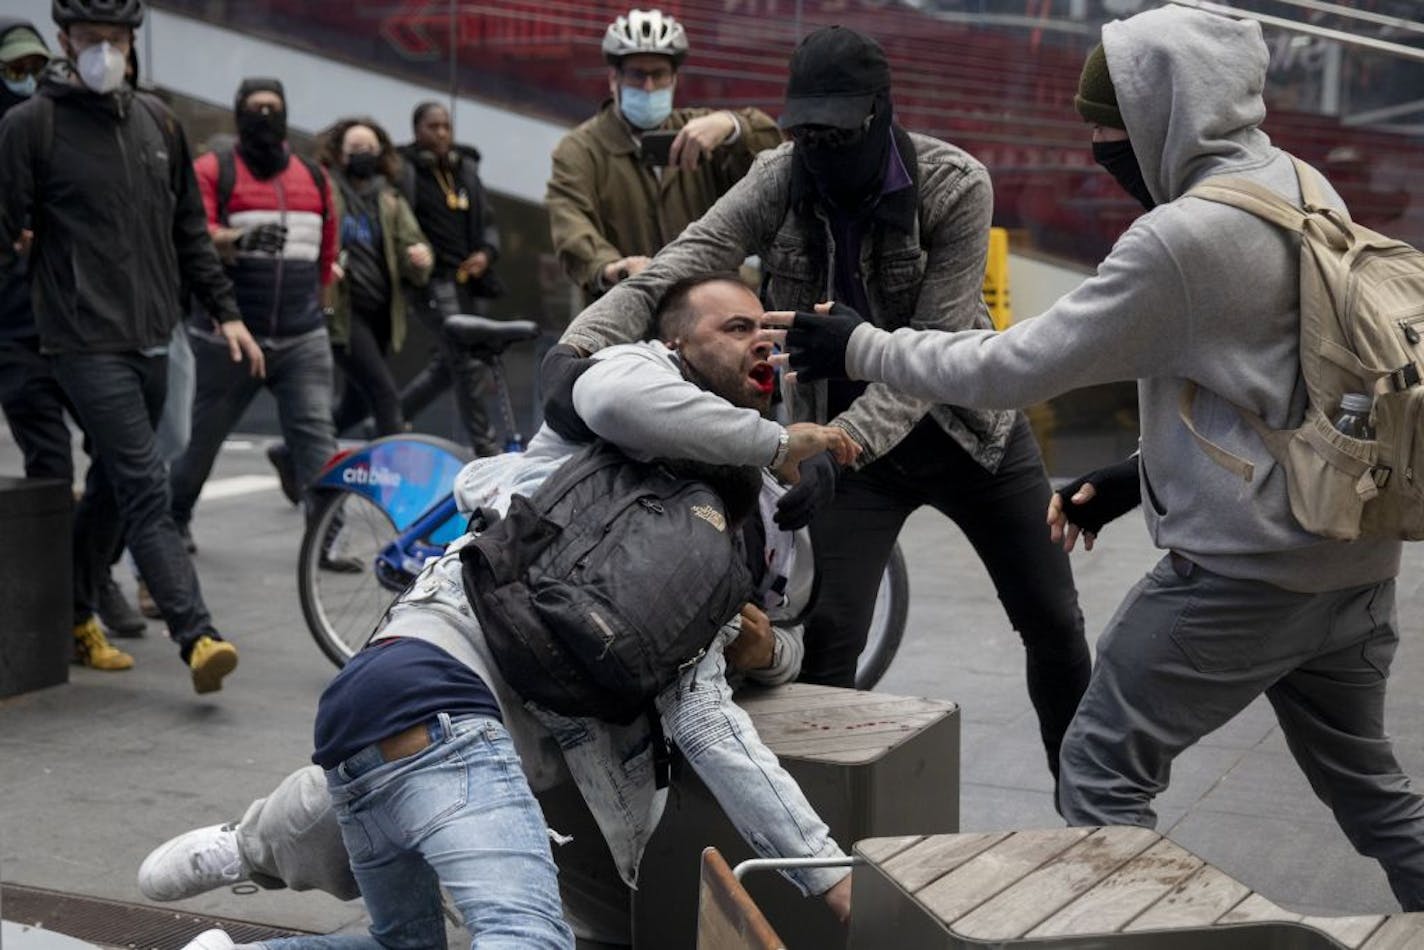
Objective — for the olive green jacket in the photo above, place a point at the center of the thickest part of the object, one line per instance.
(399, 231)
(605, 204)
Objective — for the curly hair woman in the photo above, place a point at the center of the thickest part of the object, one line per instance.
(381, 246)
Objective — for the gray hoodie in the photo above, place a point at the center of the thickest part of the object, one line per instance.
(1192, 291)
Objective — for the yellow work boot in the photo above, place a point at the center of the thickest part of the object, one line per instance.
(92, 648)
(211, 660)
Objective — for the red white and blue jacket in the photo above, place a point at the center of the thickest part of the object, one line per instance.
(279, 295)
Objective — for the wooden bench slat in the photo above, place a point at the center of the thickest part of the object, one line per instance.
(1256, 909)
(1398, 932)
(1196, 902)
(881, 734)
(794, 696)
(1020, 908)
(1351, 931)
(879, 850)
(727, 918)
(843, 719)
(869, 706)
(915, 867)
(1124, 894)
(989, 872)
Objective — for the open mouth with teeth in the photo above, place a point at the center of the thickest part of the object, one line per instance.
(763, 377)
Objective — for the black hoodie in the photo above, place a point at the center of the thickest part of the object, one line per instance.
(119, 223)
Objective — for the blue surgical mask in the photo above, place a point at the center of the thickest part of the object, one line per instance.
(23, 88)
(646, 110)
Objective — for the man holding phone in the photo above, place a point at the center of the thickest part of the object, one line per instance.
(628, 181)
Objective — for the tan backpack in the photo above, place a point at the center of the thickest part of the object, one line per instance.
(1361, 326)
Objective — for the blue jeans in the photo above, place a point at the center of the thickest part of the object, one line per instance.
(119, 398)
(299, 376)
(457, 813)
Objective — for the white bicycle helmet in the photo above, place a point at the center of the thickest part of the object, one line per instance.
(645, 31)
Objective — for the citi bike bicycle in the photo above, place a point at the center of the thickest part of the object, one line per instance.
(381, 510)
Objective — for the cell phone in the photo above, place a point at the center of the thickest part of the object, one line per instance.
(656, 146)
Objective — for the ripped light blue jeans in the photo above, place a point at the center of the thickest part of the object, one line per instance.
(458, 813)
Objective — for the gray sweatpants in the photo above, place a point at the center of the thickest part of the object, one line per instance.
(291, 837)
(1189, 649)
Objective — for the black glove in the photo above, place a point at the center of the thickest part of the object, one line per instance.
(561, 368)
(817, 342)
(1118, 490)
(263, 239)
(796, 508)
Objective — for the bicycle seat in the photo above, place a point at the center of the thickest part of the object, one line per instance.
(486, 335)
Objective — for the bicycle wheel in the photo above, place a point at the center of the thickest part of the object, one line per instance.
(887, 625)
(342, 607)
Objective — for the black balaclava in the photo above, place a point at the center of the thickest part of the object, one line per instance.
(852, 176)
(1121, 162)
(261, 136)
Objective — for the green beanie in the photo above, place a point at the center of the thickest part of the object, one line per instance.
(1096, 99)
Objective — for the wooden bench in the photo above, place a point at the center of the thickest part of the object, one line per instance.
(1082, 887)
(870, 763)
(727, 917)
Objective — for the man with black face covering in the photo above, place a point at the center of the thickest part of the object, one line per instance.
(893, 225)
(269, 214)
(1201, 303)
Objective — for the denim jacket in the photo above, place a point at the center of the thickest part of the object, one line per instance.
(613, 765)
(923, 267)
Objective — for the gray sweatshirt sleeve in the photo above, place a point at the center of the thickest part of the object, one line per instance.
(786, 657)
(638, 401)
(1130, 321)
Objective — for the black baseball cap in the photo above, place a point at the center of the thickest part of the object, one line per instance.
(835, 76)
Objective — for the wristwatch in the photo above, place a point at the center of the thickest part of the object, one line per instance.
(783, 449)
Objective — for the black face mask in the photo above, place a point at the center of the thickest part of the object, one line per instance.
(1121, 163)
(852, 175)
(363, 165)
(262, 140)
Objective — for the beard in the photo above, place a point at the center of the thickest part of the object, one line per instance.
(728, 382)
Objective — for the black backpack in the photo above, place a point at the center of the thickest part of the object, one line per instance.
(597, 591)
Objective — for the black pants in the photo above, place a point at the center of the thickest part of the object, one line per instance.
(119, 397)
(1002, 514)
(34, 405)
(451, 365)
(370, 385)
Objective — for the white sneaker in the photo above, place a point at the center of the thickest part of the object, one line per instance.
(190, 864)
(211, 940)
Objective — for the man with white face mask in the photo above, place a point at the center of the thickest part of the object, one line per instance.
(105, 174)
(613, 201)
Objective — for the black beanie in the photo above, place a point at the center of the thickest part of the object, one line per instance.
(1097, 100)
(258, 84)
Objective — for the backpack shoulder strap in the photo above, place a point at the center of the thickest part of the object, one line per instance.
(44, 109)
(1252, 198)
(227, 181)
(1310, 191)
(319, 178)
(168, 127)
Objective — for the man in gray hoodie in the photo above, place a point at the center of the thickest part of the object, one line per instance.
(1245, 601)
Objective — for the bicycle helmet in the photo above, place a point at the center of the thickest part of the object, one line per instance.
(120, 12)
(644, 31)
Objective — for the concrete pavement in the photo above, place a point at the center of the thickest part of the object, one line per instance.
(96, 773)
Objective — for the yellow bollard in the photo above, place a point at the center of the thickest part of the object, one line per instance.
(996, 279)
